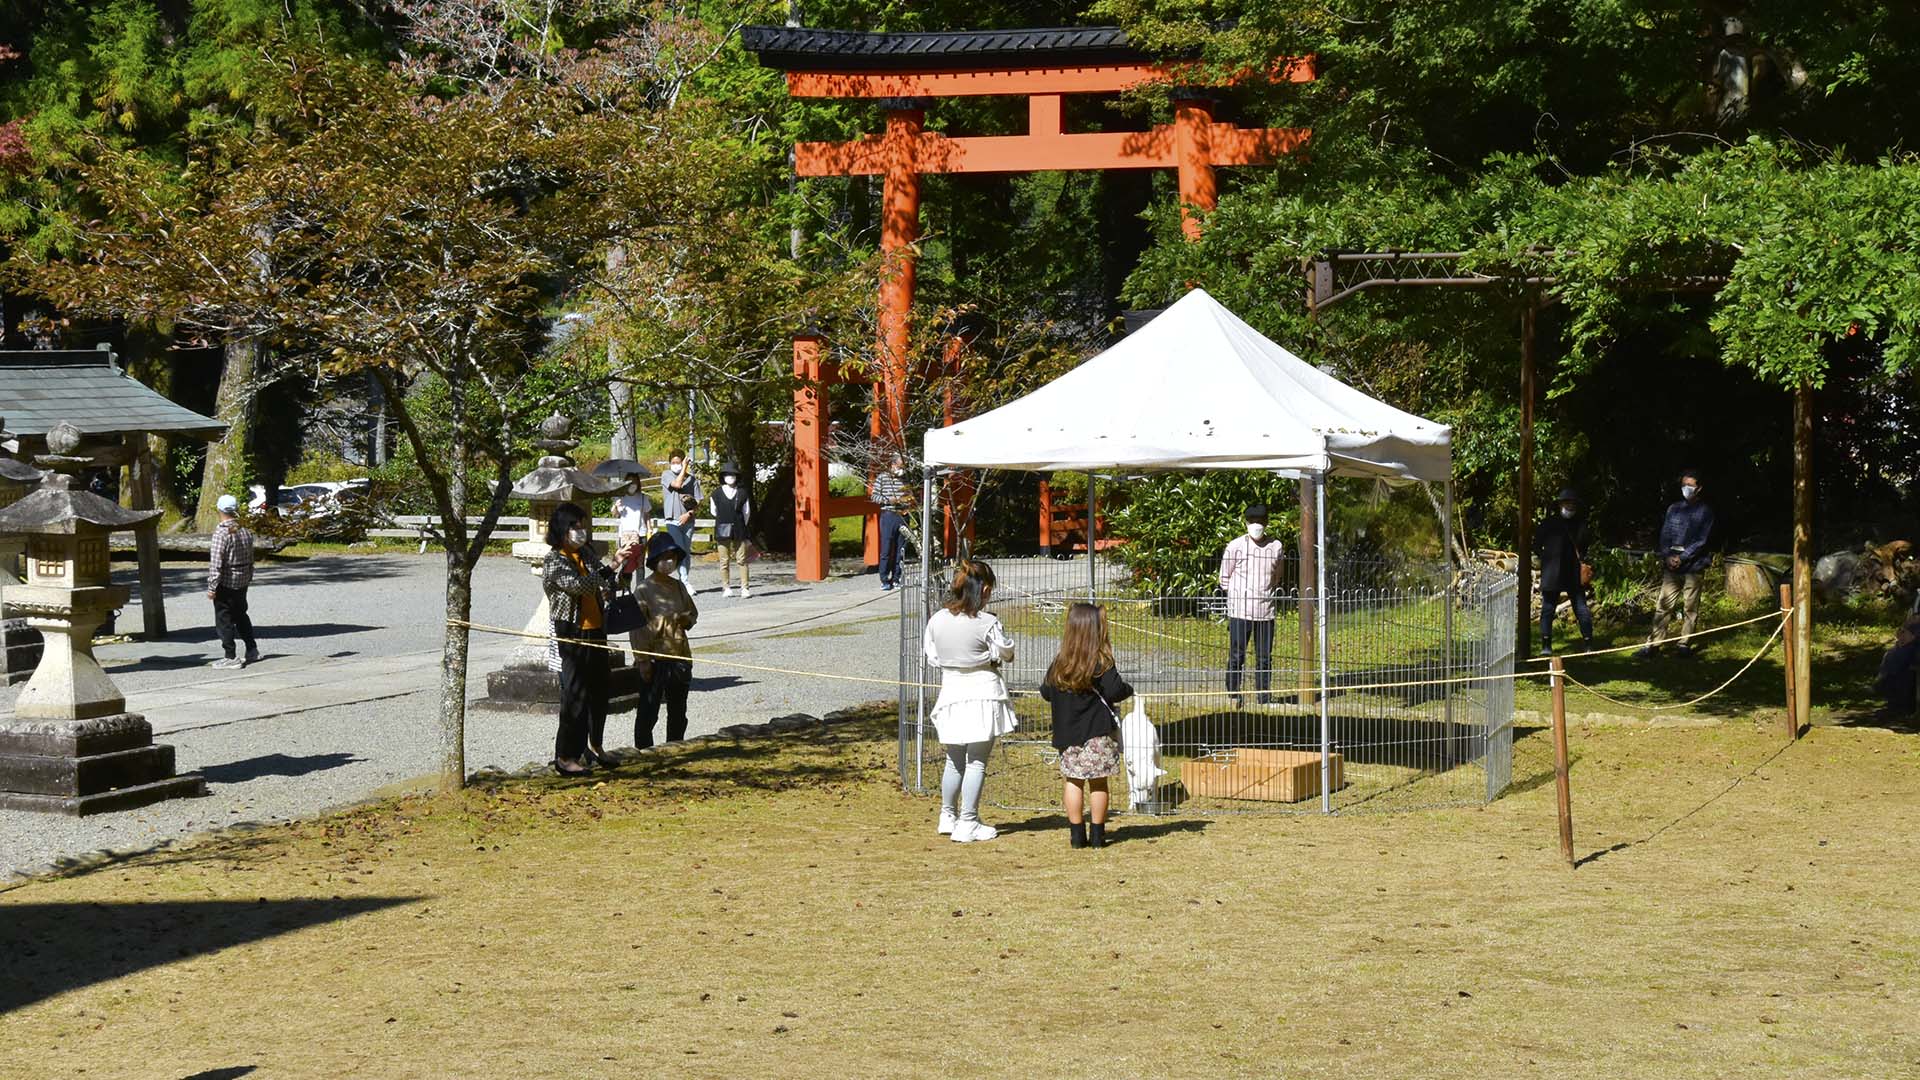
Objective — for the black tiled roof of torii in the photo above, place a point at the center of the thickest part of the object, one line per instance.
(807, 49)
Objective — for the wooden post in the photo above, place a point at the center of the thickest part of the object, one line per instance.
(1309, 570)
(1803, 556)
(811, 416)
(1562, 791)
(1523, 535)
(1046, 518)
(1193, 158)
(1786, 663)
(146, 539)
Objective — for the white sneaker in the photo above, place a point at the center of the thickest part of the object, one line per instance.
(744, 594)
(947, 821)
(971, 832)
(726, 590)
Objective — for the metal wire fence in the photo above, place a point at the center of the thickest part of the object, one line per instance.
(1417, 713)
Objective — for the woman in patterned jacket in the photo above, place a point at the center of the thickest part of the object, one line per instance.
(578, 587)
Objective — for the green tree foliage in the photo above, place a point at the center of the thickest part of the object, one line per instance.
(413, 236)
(1614, 146)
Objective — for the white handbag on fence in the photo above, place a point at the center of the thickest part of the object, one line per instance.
(1140, 742)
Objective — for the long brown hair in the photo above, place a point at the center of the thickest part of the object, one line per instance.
(1085, 651)
(971, 580)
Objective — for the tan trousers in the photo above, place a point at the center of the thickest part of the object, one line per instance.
(732, 551)
(1676, 589)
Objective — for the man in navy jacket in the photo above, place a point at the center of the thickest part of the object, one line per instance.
(1684, 556)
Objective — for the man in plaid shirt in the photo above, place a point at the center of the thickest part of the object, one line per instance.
(229, 572)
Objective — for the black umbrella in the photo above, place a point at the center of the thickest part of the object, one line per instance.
(622, 468)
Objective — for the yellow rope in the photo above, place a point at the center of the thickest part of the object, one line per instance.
(1781, 614)
(1685, 704)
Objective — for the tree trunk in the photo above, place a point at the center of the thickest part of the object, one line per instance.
(619, 392)
(741, 423)
(453, 679)
(234, 406)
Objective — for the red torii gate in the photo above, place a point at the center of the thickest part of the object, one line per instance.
(905, 71)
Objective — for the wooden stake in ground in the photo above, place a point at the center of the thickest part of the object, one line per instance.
(1803, 556)
(1562, 791)
(1787, 655)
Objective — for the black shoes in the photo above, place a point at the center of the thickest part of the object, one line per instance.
(1088, 834)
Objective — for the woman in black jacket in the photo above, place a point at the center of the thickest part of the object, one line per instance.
(1083, 686)
(1561, 543)
(578, 587)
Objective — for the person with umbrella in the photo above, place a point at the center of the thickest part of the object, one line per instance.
(1561, 543)
(634, 508)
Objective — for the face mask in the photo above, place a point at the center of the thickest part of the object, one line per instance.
(1687, 491)
(729, 481)
(578, 538)
(1256, 530)
(1566, 512)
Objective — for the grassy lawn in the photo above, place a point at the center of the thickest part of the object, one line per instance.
(779, 906)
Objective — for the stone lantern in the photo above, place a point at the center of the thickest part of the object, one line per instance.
(71, 747)
(19, 643)
(524, 682)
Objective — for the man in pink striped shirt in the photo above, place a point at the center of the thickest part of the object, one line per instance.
(1250, 571)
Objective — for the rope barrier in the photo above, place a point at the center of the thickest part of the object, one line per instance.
(1781, 614)
(743, 666)
(1686, 704)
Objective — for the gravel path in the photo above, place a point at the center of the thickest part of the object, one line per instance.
(325, 622)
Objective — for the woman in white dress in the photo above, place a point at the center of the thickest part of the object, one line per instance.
(968, 645)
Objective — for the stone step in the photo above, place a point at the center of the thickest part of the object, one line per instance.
(90, 775)
(126, 798)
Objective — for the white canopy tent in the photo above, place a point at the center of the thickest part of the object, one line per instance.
(1197, 388)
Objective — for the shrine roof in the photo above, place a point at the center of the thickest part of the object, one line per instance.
(805, 49)
(43, 387)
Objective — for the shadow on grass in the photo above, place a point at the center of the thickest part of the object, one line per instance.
(231, 1072)
(57, 947)
(818, 757)
(1120, 829)
(1749, 774)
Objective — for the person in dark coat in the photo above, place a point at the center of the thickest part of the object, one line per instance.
(1684, 556)
(1561, 543)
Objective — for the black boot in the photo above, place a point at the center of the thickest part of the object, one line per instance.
(1076, 834)
(1097, 834)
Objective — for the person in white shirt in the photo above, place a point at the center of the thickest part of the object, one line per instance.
(968, 645)
(635, 511)
(1249, 572)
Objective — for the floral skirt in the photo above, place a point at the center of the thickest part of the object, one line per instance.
(1095, 759)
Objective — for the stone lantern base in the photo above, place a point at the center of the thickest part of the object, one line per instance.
(91, 766)
(20, 649)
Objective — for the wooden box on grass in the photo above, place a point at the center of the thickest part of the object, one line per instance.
(1267, 775)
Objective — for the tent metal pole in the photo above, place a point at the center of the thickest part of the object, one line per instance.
(1446, 653)
(1093, 573)
(926, 612)
(1326, 720)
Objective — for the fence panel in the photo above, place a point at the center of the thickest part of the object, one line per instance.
(1405, 733)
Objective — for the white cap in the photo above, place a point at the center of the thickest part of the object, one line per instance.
(227, 504)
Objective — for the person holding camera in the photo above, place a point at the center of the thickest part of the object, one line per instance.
(578, 587)
(1561, 543)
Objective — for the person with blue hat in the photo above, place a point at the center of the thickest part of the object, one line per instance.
(229, 573)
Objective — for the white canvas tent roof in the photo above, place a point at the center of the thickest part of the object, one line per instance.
(1197, 388)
